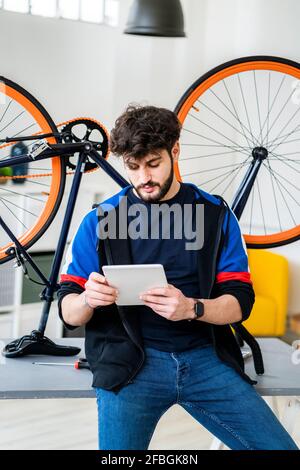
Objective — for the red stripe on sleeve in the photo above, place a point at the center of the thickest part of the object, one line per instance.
(77, 279)
(231, 276)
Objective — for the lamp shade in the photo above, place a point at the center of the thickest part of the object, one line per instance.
(156, 18)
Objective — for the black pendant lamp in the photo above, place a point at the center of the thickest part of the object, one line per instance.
(156, 18)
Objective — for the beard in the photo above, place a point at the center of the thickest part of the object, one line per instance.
(163, 188)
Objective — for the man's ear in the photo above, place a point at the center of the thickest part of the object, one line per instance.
(176, 150)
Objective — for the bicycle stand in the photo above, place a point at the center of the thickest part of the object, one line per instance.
(36, 342)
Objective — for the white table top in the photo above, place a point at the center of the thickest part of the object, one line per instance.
(20, 378)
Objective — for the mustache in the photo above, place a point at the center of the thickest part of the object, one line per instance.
(149, 184)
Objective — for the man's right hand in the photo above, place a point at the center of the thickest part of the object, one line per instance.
(97, 291)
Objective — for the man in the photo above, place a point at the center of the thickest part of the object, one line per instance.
(178, 347)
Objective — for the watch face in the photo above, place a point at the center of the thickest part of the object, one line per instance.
(199, 309)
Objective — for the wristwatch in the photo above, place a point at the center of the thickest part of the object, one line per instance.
(198, 309)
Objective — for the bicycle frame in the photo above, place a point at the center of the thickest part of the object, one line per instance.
(85, 150)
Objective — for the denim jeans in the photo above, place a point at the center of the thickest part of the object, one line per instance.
(208, 389)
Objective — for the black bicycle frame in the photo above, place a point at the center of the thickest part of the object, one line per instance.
(37, 338)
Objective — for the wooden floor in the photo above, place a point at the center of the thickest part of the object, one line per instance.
(72, 424)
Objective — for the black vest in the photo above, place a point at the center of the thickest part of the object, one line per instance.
(113, 342)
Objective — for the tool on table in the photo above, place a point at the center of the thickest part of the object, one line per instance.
(81, 363)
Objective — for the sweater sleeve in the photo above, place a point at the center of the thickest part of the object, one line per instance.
(81, 260)
(233, 274)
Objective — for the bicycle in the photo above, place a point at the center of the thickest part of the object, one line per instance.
(84, 137)
(249, 132)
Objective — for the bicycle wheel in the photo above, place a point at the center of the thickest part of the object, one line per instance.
(229, 115)
(30, 194)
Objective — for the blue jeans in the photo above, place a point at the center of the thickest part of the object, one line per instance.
(209, 390)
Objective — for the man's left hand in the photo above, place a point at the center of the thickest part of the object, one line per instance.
(170, 303)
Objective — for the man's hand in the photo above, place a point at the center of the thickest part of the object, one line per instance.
(97, 291)
(170, 303)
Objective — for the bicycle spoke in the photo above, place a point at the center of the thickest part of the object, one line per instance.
(24, 195)
(210, 155)
(229, 184)
(261, 206)
(25, 129)
(257, 104)
(296, 112)
(280, 190)
(269, 111)
(217, 132)
(284, 140)
(280, 112)
(36, 182)
(244, 103)
(275, 199)
(5, 111)
(212, 140)
(286, 190)
(19, 207)
(226, 174)
(223, 119)
(286, 135)
(243, 127)
(13, 120)
(210, 169)
(279, 158)
(287, 164)
(252, 202)
(285, 179)
(14, 215)
(202, 145)
(235, 111)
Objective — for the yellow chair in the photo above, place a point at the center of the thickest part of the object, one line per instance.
(269, 274)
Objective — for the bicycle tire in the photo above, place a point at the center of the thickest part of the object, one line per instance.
(207, 82)
(43, 120)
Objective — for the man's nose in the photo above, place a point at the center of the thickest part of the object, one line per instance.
(145, 176)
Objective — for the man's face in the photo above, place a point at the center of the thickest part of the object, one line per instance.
(151, 175)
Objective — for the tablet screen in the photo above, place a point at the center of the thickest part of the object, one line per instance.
(133, 279)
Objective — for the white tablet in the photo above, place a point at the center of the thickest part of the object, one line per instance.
(133, 279)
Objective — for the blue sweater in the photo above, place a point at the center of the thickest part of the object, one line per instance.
(180, 266)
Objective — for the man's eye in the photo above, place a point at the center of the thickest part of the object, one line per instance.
(154, 166)
(132, 167)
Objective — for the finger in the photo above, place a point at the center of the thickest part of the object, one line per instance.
(97, 277)
(164, 291)
(101, 288)
(156, 299)
(158, 309)
(100, 296)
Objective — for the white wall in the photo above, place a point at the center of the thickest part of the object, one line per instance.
(78, 69)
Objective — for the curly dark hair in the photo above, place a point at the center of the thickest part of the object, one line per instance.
(143, 129)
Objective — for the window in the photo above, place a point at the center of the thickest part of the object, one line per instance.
(69, 9)
(21, 6)
(92, 11)
(44, 8)
(111, 12)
